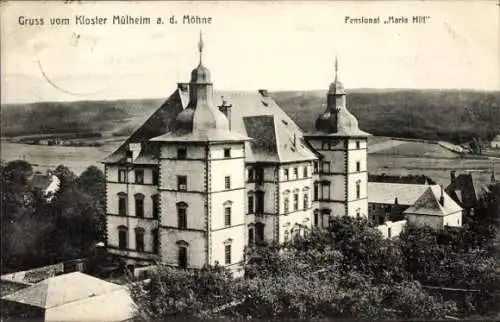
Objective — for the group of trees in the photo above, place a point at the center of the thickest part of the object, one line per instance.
(348, 271)
(38, 230)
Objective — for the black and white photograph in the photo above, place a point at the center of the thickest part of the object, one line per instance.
(250, 161)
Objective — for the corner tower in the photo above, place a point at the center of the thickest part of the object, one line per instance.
(341, 188)
(202, 188)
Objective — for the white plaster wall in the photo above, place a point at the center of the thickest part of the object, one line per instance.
(196, 249)
(453, 220)
(362, 204)
(435, 222)
(113, 222)
(195, 210)
(396, 228)
(237, 197)
(237, 234)
(193, 151)
(354, 156)
(217, 151)
(351, 185)
(233, 168)
(193, 169)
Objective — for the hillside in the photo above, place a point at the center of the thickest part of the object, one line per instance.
(450, 115)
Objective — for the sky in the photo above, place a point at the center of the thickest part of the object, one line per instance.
(248, 46)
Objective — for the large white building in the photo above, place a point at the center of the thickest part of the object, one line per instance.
(205, 176)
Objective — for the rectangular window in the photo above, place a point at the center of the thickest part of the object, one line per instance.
(227, 216)
(156, 206)
(259, 175)
(139, 207)
(324, 145)
(295, 201)
(306, 200)
(358, 166)
(306, 172)
(227, 153)
(156, 176)
(285, 174)
(227, 182)
(250, 236)
(315, 167)
(139, 176)
(389, 232)
(358, 190)
(358, 144)
(295, 173)
(181, 153)
(325, 193)
(251, 175)
(316, 191)
(325, 167)
(227, 254)
(260, 202)
(316, 218)
(156, 241)
(250, 204)
(122, 206)
(139, 241)
(182, 183)
(122, 239)
(122, 175)
(358, 213)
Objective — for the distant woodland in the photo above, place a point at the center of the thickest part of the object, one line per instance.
(451, 115)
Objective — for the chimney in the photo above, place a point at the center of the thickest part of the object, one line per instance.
(225, 108)
(452, 176)
(441, 199)
(263, 92)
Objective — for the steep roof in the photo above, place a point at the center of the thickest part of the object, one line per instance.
(253, 114)
(62, 289)
(466, 189)
(429, 203)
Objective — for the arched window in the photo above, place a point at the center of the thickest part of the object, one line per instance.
(316, 218)
(251, 235)
(156, 206)
(286, 201)
(227, 213)
(358, 189)
(182, 215)
(306, 200)
(227, 251)
(182, 255)
(122, 237)
(139, 239)
(139, 205)
(156, 240)
(122, 204)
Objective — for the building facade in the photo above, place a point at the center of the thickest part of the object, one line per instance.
(207, 175)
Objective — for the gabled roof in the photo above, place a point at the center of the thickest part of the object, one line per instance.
(62, 289)
(429, 203)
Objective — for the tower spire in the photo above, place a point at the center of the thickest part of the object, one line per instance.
(200, 46)
(336, 66)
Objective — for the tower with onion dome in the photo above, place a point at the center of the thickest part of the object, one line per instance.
(202, 188)
(341, 188)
